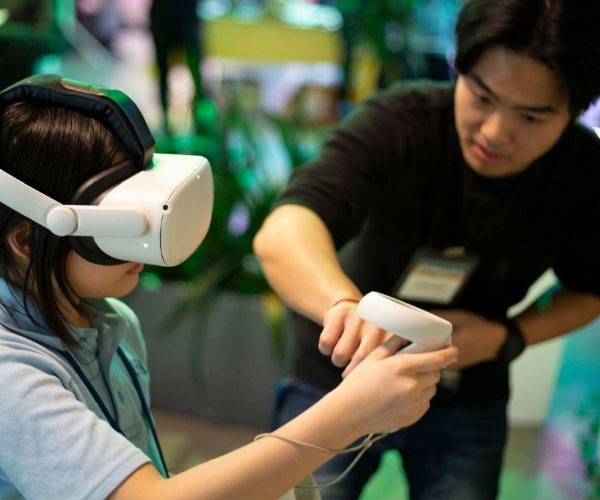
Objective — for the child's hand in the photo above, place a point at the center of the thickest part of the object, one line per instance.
(386, 391)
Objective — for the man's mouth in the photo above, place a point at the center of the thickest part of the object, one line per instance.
(485, 154)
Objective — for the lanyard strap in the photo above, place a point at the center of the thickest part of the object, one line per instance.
(112, 420)
(145, 407)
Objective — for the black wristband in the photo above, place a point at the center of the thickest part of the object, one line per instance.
(514, 343)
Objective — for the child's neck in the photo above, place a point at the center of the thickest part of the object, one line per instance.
(69, 312)
(78, 320)
(72, 315)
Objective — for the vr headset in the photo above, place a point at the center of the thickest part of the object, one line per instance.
(151, 208)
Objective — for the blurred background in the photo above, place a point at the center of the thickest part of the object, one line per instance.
(255, 86)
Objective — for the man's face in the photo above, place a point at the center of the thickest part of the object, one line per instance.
(509, 109)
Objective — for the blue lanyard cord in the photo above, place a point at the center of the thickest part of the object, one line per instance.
(112, 421)
(145, 407)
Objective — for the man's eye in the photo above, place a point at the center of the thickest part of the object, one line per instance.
(531, 119)
(481, 98)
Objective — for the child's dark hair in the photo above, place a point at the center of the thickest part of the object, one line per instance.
(562, 34)
(54, 150)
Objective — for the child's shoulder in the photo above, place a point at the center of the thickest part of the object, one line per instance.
(21, 355)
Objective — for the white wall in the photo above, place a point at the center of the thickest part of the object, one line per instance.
(533, 375)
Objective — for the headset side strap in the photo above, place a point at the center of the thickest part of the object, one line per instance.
(24, 199)
(76, 220)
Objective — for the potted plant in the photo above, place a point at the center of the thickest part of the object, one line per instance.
(214, 328)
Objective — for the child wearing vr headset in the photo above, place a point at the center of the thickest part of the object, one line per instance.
(83, 203)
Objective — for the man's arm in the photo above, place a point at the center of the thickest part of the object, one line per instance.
(479, 339)
(568, 311)
(299, 260)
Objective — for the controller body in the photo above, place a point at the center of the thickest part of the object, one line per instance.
(426, 331)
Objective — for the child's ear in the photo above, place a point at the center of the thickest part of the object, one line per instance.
(18, 240)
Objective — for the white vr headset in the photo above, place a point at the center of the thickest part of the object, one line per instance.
(151, 208)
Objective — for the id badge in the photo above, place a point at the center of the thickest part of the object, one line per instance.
(436, 276)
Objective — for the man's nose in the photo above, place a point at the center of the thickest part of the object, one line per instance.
(496, 128)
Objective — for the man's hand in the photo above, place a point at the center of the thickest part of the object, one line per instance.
(347, 338)
(477, 338)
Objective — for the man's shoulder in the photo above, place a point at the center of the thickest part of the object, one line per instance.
(580, 152)
(414, 107)
(571, 174)
(417, 94)
(585, 137)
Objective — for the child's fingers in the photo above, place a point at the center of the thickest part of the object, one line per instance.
(388, 348)
(428, 361)
(427, 379)
(429, 392)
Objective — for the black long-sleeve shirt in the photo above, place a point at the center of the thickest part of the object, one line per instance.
(392, 179)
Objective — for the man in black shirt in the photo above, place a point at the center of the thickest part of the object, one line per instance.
(456, 199)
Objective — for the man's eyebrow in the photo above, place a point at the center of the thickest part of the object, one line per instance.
(534, 109)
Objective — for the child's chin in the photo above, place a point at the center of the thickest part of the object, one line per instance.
(126, 288)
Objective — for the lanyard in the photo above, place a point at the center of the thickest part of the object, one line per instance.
(112, 421)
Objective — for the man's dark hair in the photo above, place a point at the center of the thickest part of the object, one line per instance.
(562, 34)
(53, 150)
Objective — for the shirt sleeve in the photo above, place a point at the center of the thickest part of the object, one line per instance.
(360, 156)
(51, 444)
(578, 265)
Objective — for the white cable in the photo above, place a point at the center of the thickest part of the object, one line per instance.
(363, 447)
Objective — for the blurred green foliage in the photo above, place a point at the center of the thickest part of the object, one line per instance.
(244, 192)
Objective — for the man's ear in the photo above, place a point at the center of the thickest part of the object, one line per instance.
(18, 240)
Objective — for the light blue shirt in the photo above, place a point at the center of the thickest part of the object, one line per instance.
(55, 442)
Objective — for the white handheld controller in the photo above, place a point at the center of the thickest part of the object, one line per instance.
(427, 331)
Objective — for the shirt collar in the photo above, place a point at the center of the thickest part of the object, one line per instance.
(102, 339)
